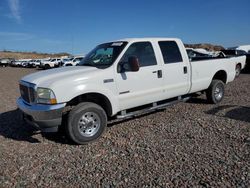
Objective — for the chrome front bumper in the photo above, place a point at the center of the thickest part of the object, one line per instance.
(45, 117)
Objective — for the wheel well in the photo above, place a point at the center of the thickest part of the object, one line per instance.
(96, 98)
(220, 75)
(239, 64)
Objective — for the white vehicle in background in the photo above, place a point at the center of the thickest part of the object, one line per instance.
(16, 63)
(65, 60)
(25, 64)
(74, 61)
(245, 48)
(4, 62)
(54, 62)
(21, 63)
(35, 63)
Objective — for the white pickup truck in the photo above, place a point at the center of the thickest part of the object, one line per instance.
(119, 79)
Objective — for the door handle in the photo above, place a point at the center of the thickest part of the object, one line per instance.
(159, 73)
(185, 70)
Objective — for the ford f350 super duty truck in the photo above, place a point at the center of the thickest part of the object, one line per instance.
(119, 79)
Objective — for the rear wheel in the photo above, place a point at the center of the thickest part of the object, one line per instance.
(215, 92)
(237, 70)
(86, 122)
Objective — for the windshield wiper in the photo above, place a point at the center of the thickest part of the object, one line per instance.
(87, 64)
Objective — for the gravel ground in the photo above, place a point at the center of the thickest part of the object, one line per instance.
(188, 144)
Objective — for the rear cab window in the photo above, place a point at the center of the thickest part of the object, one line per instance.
(170, 52)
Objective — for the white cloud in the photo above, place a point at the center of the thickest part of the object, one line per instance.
(15, 10)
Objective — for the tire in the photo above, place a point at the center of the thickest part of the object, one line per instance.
(215, 92)
(46, 66)
(86, 123)
(237, 70)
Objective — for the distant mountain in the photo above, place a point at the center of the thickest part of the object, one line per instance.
(208, 47)
(29, 55)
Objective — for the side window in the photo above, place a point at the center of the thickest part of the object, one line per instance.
(170, 52)
(143, 51)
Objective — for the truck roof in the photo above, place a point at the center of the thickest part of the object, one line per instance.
(146, 39)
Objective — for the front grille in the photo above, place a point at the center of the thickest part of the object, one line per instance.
(27, 93)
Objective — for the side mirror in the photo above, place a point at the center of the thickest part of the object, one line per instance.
(134, 63)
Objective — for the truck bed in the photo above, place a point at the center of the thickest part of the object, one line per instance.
(203, 69)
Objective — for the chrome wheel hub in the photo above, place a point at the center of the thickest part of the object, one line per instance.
(237, 71)
(218, 93)
(89, 124)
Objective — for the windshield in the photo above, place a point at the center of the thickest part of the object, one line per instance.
(103, 55)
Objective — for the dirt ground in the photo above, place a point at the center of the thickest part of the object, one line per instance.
(188, 144)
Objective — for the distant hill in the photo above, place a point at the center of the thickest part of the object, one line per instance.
(208, 47)
(29, 55)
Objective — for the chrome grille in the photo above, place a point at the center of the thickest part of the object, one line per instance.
(27, 92)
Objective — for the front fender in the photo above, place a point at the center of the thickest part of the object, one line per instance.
(66, 94)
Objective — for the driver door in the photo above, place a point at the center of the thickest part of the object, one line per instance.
(141, 87)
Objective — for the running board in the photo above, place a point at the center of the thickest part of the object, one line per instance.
(154, 107)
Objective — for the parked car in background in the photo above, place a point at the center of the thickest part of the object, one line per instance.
(4, 62)
(35, 63)
(120, 79)
(54, 62)
(239, 65)
(20, 63)
(25, 64)
(16, 63)
(233, 52)
(245, 48)
(74, 61)
(65, 60)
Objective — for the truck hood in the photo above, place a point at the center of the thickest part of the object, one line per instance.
(48, 77)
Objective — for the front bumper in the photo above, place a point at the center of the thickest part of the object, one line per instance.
(45, 117)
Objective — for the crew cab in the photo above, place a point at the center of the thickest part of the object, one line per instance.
(119, 79)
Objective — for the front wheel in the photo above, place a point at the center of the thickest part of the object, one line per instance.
(86, 123)
(215, 92)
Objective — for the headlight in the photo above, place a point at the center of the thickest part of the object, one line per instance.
(45, 96)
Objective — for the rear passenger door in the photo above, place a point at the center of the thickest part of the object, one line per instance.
(176, 72)
(144, 86)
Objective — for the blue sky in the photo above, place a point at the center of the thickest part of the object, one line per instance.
(76, 26)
